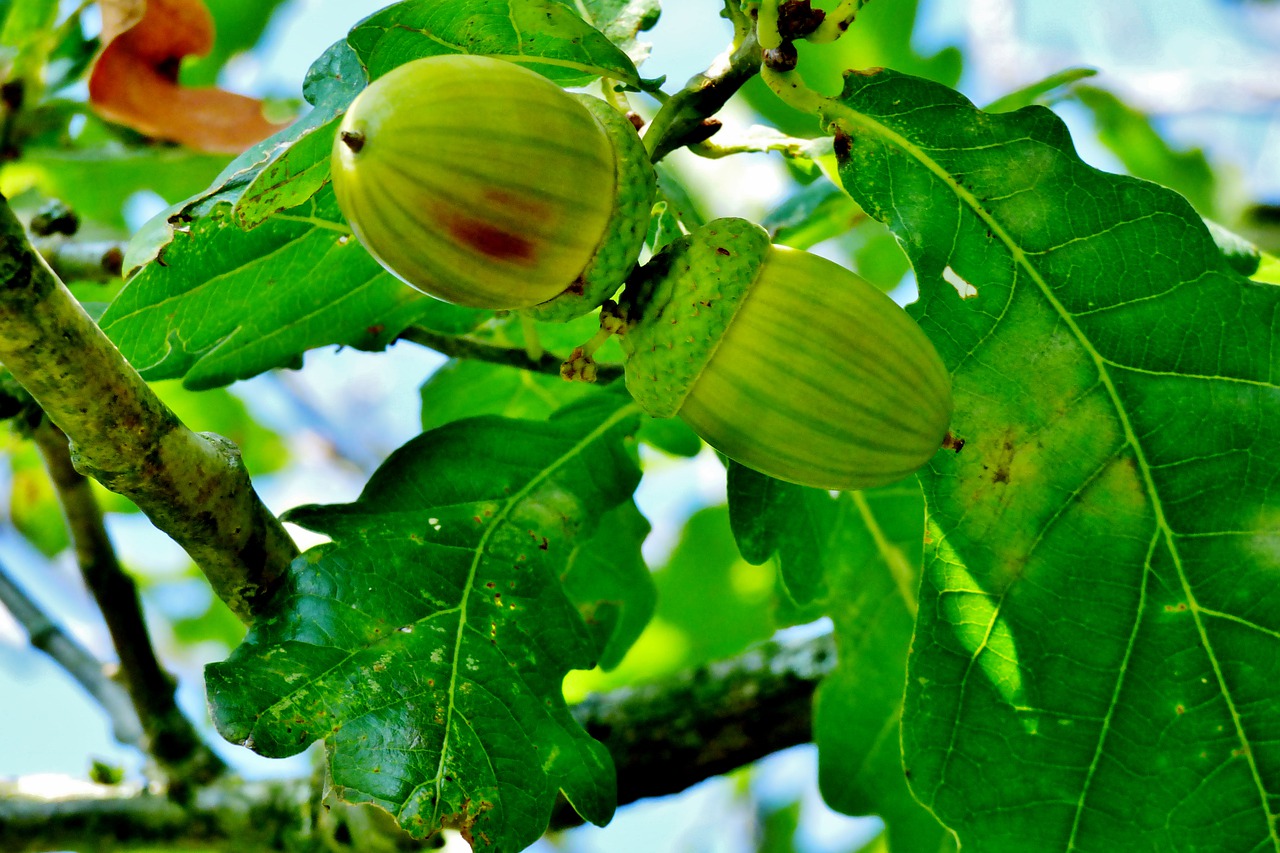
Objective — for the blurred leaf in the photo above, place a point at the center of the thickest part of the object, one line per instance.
(1099, 592)
(873, 547)
(769, 516)
(880, 37)
(27, 38)
(664, 227)
(621, 21)
(218, 410)
(1034, 93)
(1145, 154)
(133, 81)
(428, 641)
(608, 580)
(1268, 271)
(216, 624)
(97, 182)
(670, 435)
(237, 26)
(811, 215)
(464, 389)
(777, 828)
(719, 601)
(679, 200)
(225, 304)
(1240, 254)
(542, 35)
(33, 503)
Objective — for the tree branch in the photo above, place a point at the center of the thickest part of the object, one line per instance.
(663, 738)
(75, 260)
(456, 346)
(685, 118)
(75, 659)
(192, 486)
(170, 736)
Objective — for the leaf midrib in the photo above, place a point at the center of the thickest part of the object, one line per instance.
(481, 547)
(836, 112)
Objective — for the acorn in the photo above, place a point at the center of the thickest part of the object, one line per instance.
(484, 184)
(783, 360)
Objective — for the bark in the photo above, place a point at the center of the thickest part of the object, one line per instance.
(193, 487)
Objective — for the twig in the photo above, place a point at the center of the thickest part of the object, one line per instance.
(663, 739)
(75, 659)
(456, 346)
(170, 736)
(75, 260)
(685, 118)
(193, 487)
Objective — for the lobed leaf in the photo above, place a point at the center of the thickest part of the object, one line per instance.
(543, 35)
(873, 548)
(224, 304)
(1094, 667)
(428, 641)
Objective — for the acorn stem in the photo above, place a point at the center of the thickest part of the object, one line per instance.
(532, 343)
(790, 87)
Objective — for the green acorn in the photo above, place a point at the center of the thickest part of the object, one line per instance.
(484, 184)
(783, 360)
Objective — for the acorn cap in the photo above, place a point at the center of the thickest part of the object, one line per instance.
(476, 180)
(636, 184)
(679, 305)
(814, 376)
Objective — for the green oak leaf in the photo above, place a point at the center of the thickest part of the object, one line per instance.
(1132, 137)
(769, 516)
(606, 577)
(621, 21)
(427, 642)
(543, 35)
(1098, 604)
(465, 388)
(227, 304)
(873, 546)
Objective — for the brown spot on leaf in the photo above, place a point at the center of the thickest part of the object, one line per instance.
(843, 145)
(953, 443)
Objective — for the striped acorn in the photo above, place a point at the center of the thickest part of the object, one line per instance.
(484, 184)
(782, 360)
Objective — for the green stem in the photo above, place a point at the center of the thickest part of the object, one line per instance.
(790, 87)
(767, 25)
(836, 22)
(456, 346)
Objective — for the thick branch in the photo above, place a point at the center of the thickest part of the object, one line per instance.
(170, 736)
(75, 659)
(668, 736)
(193, 487)
(663, 739)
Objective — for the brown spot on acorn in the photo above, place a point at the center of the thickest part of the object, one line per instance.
(490, 240)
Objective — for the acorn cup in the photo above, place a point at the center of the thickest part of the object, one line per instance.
(484, 184)
(783, 360)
